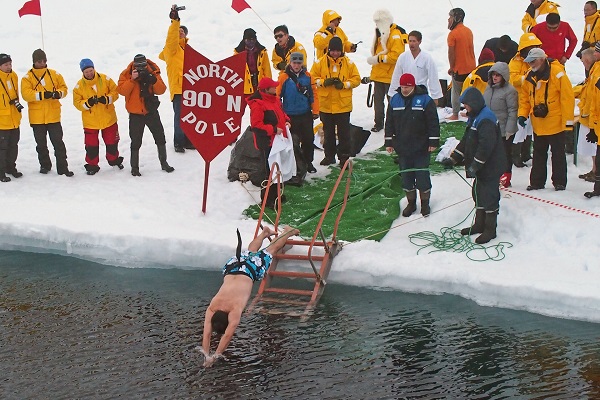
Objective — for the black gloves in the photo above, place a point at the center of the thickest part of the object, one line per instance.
(103, 100)
(335, 82)
(472, 170)
(353, 48)
(151, 79)
(339, 85)
(174, 14)
(91, 102)
(48, 95)
(329, 29)
(281, 66)
(447, 162)
(56, 95)
(521, 121)
(365, 80)
(591, 136)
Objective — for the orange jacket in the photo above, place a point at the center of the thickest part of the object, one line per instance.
(130, 88)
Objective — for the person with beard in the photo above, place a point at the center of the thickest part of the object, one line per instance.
(482, 152)
(10, 119)
(267, 119)
(257, 61)
(286, 45)
(412, 129)
(548, 99)
(42, 88)
(335, 75)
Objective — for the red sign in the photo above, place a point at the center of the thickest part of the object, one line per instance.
(212, 101)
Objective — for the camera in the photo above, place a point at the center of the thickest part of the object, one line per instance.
(365, 80)
(17, 104)
(178, 8)
(303, 89)
(540, 110)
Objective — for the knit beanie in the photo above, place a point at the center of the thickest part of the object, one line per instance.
(249, 34)
(85, 64)
(336, 44)
(407, 80)
(486, 55)
(39, 55)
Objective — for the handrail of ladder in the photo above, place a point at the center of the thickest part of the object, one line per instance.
(274, 167)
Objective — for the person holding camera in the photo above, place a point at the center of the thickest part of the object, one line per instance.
(10, 119)
(331, 28)
(140, 83)
(94, 95)
(42, 88)
(258, 65)
(172, 54)
(547, 97)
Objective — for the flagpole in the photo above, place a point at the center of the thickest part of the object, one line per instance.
(259, 17)
(42, 26)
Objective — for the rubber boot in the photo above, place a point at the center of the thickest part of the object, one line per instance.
(272, 197)
(505, 179)
(478, 225)
(425, 195)
(489, 230)
(135, 162)
(516, 155)
(162, 157)
(411, 207)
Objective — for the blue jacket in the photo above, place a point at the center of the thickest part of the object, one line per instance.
(295, 102)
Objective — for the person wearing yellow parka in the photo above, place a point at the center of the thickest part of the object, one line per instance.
(547, 98)
(591, 30)
(10, 119)
(257, 61)
(388, 43)
(335, 75)
(94, 95)
(536, 9)
(331, 27)
(42, 88)
(172, 54)
(478, 78)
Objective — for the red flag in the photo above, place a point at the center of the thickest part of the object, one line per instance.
(31, 7)
(239, 5)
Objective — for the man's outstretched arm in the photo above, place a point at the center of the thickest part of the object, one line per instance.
(207, 332)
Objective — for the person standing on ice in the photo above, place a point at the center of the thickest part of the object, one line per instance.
(482, 151)
(10, 119)
(330, 29)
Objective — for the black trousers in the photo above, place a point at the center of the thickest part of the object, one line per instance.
(380, 90)
(137, 123)
(302, 129)
(330, 122)
(539, 173)
(508, 145)
(9, 149)
(55, 132)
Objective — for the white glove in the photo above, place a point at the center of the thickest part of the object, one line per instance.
(373, 60)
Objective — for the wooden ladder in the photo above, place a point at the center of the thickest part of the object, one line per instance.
(319, 250)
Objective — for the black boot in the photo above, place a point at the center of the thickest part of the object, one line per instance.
(135, 162)
(272, 197)
(3, 177)
(516, 155)
(117, 162)
(478, 225)
(425, 196)
(489, 230)
(411, 207)
(596, 191)
(162, 157)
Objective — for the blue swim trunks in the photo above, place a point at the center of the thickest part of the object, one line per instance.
(253, 265)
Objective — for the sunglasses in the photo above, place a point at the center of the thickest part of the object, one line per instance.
(279, 36)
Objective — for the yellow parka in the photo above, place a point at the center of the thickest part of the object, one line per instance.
(323, 36)
(474, 79)
(517, 67)
(591, 31)
(560, 100)
(277, 58)
(99, 116)
(332, 100)
(10, 118)
(262, 64)
(33, 86)
(172, 54)
(587, 103)
(386, 60)
(532, 14)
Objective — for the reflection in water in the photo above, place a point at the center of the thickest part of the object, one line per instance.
(74, 329)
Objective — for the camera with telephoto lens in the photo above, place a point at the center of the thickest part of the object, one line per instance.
(540, 110)
(178, 8)
(17, 104)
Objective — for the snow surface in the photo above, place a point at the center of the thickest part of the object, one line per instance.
(156, 220)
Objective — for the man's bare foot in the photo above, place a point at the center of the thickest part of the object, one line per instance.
(289, 231)
(453, 117)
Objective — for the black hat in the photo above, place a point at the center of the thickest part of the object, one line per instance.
(39, 55)
(4, 58)
(336, 44)
(249, 34)
(140, 61)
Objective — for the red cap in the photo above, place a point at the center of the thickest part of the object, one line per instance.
(407, 80)
(266, 83)
(486, 55)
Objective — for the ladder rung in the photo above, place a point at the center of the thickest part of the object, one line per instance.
(285, 256)
(289, 291)
(304, 243)
(293, 274)
(283, 301)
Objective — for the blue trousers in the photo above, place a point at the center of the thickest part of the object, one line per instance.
(415, 179)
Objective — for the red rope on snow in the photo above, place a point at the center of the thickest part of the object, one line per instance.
(588, 213)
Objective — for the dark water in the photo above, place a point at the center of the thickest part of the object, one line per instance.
(75, 329)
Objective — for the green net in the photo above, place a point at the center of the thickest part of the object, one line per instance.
(373, 204)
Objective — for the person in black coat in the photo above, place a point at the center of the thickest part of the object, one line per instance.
(504, 48)
(412, 129)
(482, 151)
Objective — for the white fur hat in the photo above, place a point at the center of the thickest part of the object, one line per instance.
(383, 19)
